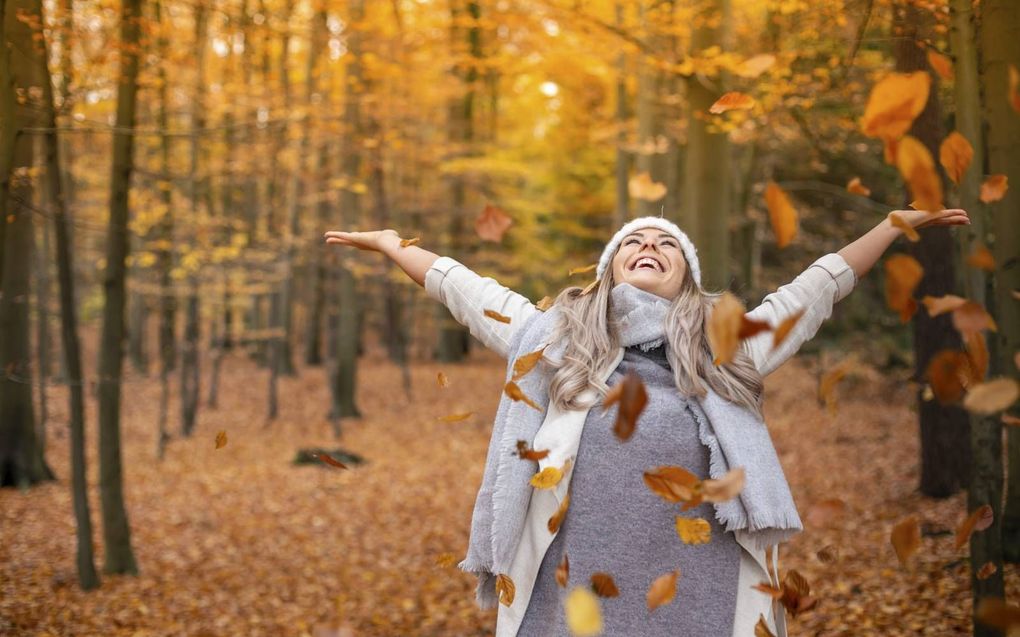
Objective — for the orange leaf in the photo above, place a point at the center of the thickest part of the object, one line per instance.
(981, 258)
(1014, 84)
(908, 230)
(761, 629)
(630, 393)
(409, 242)
(442, 380)
(997, 613)
(492, 224)
(530, 454)
(779, 335)
(916, 166)
(582, 270)
(693, 530)
(591, 286)
(972, 317)
(979, 519)
(796, 593)
(902, 274)
(856, 187)
(755, 66)
(826, 511)
(994, 188)
(545, 303)
(946, 372)
(724, 323)
(941, 304)
(725, 488)
(765, 587)
(505, 589)
(782, 214)
(827, 554)
(906, 538)
(673, 484)
(221, 439)
(977, 356)
(330, 460)
(563, 572)
(557, 518)
(955, 155)
(663, 590)
(526, 363)
(987, 570)
(732, 101)
(603, 585)
(496, 316)
(894, 103)
(514, 393)
(942, 64)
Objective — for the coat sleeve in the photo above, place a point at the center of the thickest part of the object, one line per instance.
(467, 295)
(815, 290)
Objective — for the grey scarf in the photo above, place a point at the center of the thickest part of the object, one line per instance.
(735, 437)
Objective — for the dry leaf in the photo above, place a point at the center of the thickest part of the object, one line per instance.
(530, 454)
(724, 323)
(972, 317)
(442, 380)
(1007, 419)
(981, 258)
(991, 396)
(997, 613)
(782, 214)
(545, 303)
(761, 629)
(505, 589)
(221, 440)
(902, 274)
(906, 538)
(583, 615)
(557, 518)
(916, 166)
(582, 270)
(768, 589)
(947, 371)
(908, 230)
(563, 572)
(547, 478)
(781, 332)
(1014, 91)
(409, 242)
(514, 393)
(856, 187)
(496, 316)
(725, 488)
(591, 286)
(994, 188)
(796, 593)
(894, 103)
(732, 101)
(492, 224)
(955, 155)
(663, 590)
(603, 585)
(526, 363)
(941, 304)
(942, 64)
(827, 554)
(631, 395)
(987, 570)
(674, 484)
(755, 66)
(642, 187)
(693, 530)
(456, 417)
(979, 519)
(330, 460)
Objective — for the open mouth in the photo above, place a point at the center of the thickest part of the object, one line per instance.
(647, 263)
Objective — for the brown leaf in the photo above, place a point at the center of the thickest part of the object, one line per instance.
(979, 519)
(526, 363)
(545, 303)
(514, 393)
(723, 329)
(796, 593)
(442, 380)
(761, 629)
(902, 274)
(947, 370)
(563, 572)
(750, 327)
(906, 538)
(603, 585)
(857, 188)
(997, 613)
(496, 316)
(492, 224)
(782, 214)
(330, 460)
(221, 440)
(409, 242)
(530, 454)
(977, 357)
(456, 417)
(630, 393)
(663, 590)
(768, 589)
(725, 488)
(591, 286)
(1007, 419)
(827, 554)
(674, 484)
(987, 570)
(781, 332)
(994, 188)
(557, 518)
(991, 396)
(972, 317)
(955, 155)
(981, 258)
(505, 589)
(732, 101)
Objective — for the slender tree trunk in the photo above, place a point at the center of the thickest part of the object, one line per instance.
(1000, 45)
(116, 531)
(622, 210)
(649, 107)
(42, 309)
(165, 255)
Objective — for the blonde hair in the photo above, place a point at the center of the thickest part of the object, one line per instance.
(591, 344)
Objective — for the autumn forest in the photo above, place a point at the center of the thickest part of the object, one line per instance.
(213, 422)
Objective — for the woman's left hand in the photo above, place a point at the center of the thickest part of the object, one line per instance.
(918, 219)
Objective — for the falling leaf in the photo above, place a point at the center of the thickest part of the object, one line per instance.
(916, 166)
(755, 66)
(496, 316)
(1014, 88)
(994, 188)
(906, 538)
(979, 519)
(908, 230)
(827, 554)
(996, 613)
(856, 187)
(977, 357)
(442, 380)
(221, 439)
(894, 103)
(603, 585)
(547, 478)
(784, 327)
(545, 303)
(955, 155)
(505, 589)
(946, 372)
(750, 327)
(514, 393)
(991, 396)
(557, 518)
(409, 242)
(987, 570)
(761, 629)
(1007, 419)
(674, 484)
(663, 590)
(724, 323)
(732, 101)
(591, 286)
(456, 417)
(642, 187)
(492, 224)
(981, 258)
(725, 488)
(972, 317)
(942, 64)
(825, 512)
(631, 395)
(768, 589)
(583, 615)
(941, 304)
(796, 593)
(526, 363)
(693, 530)
(563, 572)
(902, 274)
(530, 454)
(828, 381)
(330, 460)
(782, 214)
(582, 270)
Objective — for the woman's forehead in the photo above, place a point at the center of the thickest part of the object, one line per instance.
(643, 231)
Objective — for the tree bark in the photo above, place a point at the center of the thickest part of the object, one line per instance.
(165, 254)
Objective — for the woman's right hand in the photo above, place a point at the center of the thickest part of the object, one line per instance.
(374, 240)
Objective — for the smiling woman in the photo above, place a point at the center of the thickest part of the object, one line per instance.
(645, 317)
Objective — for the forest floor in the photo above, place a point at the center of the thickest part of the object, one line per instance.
(240, 541)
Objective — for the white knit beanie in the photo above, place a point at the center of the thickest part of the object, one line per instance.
(690, 253)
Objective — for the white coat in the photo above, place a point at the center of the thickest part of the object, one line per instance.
(467, 295)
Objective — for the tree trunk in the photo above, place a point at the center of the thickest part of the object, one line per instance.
(165, 254)
(649, 108)
(1000, 43)
(945, 462)
(621, 212)
(116, 532)
(42, 305)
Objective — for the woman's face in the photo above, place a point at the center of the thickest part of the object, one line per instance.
(651, 260)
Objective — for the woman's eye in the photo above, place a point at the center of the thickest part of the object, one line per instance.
(669, 243)
(630, 241)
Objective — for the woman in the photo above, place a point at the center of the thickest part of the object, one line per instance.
(646, 316)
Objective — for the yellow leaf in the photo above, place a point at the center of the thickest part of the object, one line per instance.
(663, 590)
(908, 230)
(513, 391)
(917, 168)
(782, 214)
(955, 155)
(693, 530)
(505, 589)
(547, 478)
(442, 380)
(755, 66)
(582, 270)
(496, 316)
(583, 615)
(221, 439)
(642, 187)
(894, 103)
(994, 188)
(409, 242)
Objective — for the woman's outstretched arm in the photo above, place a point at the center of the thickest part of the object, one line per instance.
(412, 259)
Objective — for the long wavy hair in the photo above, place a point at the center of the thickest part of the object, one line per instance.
(591, 343)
